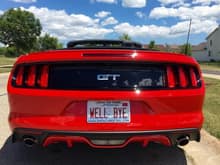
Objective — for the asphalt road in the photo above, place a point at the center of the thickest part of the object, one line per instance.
(18, 154)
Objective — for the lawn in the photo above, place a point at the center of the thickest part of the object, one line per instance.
(212, 107)
(6, 60)
(210, 65)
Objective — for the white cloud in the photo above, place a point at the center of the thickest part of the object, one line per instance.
(168, 2)
(102, 14)
(105, 1)
(179, 29)
(141, 14)
(196, 13)
(25, 1)
(142, 31)
(205, 2)
(68, 26)
(1, 12)
(134, 3)
(109, 21)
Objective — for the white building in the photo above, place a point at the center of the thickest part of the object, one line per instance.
(199, 52)
(213, 44)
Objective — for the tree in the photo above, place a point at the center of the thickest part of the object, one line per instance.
(152, 45)
(19, 30)
(48, 42)
(125, 37)
(186, 49)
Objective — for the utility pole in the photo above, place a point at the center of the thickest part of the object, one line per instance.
(187, 41)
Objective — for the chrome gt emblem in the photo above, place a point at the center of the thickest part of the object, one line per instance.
(106, 77)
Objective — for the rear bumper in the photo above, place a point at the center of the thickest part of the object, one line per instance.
(96, 139)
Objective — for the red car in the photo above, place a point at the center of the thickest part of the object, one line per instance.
(107, 94)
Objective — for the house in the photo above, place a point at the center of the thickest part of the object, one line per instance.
(199, 52)
(213, 44)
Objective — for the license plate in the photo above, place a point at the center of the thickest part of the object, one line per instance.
(108, 112)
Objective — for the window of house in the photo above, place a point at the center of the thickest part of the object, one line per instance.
(209, 53)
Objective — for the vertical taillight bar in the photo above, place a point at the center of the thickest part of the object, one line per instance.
(19, 77)
(43, 79)
(31, 77)
(182, 77)
(170, 77)
(193, 77)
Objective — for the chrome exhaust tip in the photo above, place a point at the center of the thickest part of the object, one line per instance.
(29, 141)
(183, 140)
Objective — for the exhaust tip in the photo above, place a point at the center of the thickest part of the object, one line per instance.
(183, 140)
(29, 141)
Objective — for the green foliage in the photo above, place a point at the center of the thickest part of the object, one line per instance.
(125, 37)
(48, 42)
(2, 50)
(12, 52)
(186, 49)
(19, 30)
(152, 45)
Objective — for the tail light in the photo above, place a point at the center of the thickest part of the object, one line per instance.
(182, 77)
(179, 76)
(19, 78)
(33, 76)
(193, 77)
(43, 78)
(170, 77)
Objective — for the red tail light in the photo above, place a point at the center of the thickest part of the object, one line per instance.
(31, 77)
(19, 78)
(43, 79)
(193, 77)
(182, 77)
(170, 77)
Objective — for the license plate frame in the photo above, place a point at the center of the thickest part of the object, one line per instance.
(108, 111)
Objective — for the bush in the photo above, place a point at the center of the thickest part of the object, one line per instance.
(11, 52)
(2, 50)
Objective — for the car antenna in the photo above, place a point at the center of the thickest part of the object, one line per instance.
(187, 41)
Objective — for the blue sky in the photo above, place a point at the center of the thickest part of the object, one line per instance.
(165, 21)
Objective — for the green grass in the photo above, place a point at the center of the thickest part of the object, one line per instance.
(6, 60)
(210, 65)
(212, 107)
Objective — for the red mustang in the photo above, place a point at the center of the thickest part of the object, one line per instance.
(105, 93)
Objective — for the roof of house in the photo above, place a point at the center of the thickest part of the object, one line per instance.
(218, 28)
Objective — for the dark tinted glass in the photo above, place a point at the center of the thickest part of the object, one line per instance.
(106, 77)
